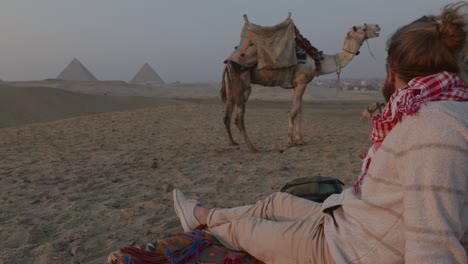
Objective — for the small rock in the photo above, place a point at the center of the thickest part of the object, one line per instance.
(114, 179)
(75, 251)
(283, 168)
(167, 187)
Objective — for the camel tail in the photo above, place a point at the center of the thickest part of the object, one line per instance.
(223, 86)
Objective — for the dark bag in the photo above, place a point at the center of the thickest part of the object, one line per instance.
(315, 188)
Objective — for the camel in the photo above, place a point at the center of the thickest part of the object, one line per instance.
(238, 88)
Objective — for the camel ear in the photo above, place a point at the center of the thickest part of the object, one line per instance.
(246, 20)
(354, 28)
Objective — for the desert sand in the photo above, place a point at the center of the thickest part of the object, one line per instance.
(87, 168)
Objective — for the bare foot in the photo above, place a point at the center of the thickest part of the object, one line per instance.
(201, 214)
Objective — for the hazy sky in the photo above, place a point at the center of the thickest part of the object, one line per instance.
(184, 41)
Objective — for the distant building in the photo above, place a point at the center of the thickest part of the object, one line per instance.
(318, 83)
(146, 75)
(75, 71)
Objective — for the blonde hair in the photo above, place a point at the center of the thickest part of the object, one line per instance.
(430, 44)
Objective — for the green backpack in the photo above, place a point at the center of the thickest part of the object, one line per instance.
(314, 188)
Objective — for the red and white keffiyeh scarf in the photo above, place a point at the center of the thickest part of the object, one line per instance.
(442, 86)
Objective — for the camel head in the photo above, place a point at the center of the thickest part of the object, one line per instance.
(364, 32)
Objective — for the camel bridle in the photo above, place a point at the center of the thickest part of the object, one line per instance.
(366, 37)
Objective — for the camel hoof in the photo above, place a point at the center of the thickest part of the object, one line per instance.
(233, 144)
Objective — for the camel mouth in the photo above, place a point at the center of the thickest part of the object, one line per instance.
(377, 32)
(373, 31)
(374, 34)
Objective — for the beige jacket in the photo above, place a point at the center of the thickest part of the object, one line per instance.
(413, 204)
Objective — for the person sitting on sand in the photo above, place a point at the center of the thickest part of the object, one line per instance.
(410, 203)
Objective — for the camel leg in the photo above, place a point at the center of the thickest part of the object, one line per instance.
(290, 130)
(242, 97)
(228, 93)
(239, 121)
(227, 121)
(298, 124)
(295, 116)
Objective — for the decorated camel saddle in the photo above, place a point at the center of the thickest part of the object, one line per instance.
(272, 47)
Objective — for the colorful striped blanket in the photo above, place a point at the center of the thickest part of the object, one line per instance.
(197, 246)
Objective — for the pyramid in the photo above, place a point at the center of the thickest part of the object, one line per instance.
(146, 75)
(75, 71)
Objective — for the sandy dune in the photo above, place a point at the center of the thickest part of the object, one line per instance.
(23, 105)
(83, 174)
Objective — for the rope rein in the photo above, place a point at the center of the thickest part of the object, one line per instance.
(370, 51)
(338, 72)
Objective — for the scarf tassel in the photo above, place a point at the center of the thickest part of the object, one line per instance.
(365, 167)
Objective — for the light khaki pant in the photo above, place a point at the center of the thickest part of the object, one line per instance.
(281, 229)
